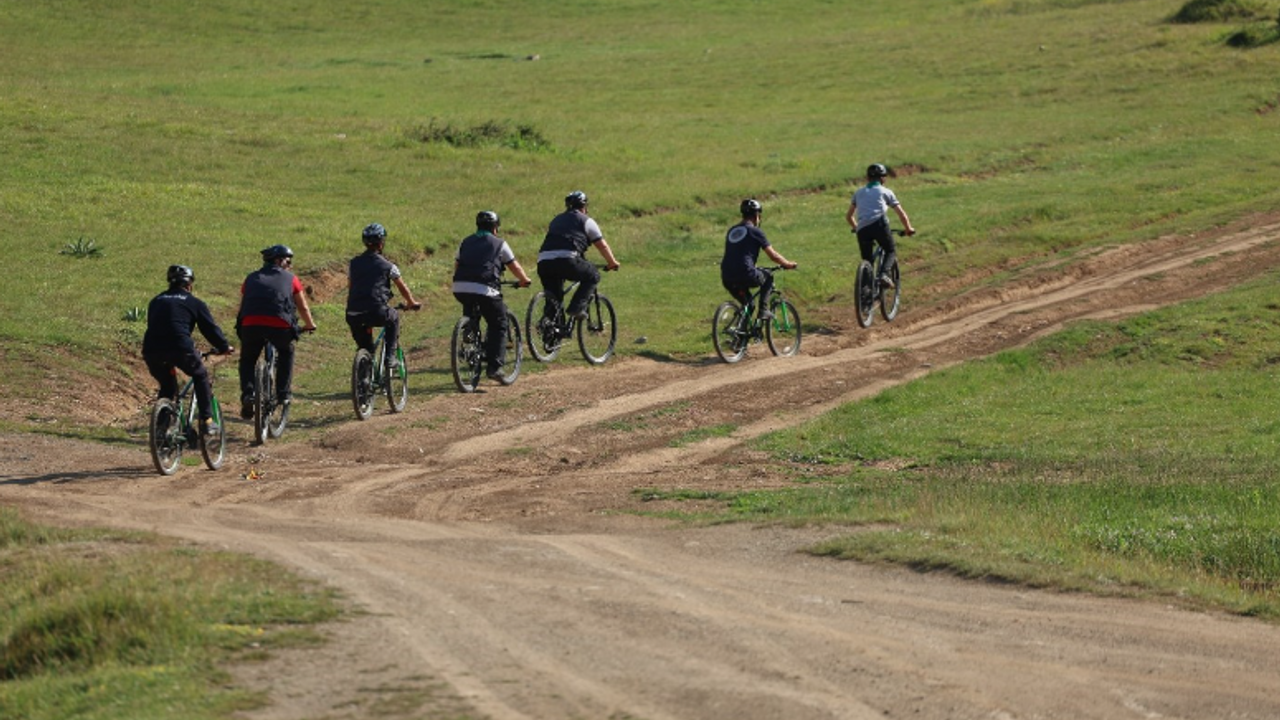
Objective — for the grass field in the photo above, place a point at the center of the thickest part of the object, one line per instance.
(169, 133)
(136, 135)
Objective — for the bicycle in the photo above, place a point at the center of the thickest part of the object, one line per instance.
(173, 428)
(269, 414)
(370, 375)
(467, 356)
(869, 292)
(549, 327)
(733, 327)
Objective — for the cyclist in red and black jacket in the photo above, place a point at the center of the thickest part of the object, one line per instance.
(272, 299)
(171, 317)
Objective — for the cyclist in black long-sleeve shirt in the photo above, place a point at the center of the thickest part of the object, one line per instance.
(171, 317)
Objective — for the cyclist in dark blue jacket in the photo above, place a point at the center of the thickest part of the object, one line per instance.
(171, 317)
(477, 274)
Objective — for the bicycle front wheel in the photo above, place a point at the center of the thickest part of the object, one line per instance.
(465, 354)
(214, 447)
(397, 383)
(164, 436)
(782, 332)
(543, 339)
(515, 351)
(890, 297)
(362, 392)
(864, 294)
(598, 334)
(727, 333)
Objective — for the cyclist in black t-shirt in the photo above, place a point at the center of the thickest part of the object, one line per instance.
(370, 276)
(171, 317)
(742, 246)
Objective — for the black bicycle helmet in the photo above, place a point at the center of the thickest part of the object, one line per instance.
(575, 200)
(181, 275)
(276, 251)
(488, 220)
(750, 207)
(876, 171)
(374, 234)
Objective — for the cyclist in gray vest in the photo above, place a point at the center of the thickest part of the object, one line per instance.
(868, 215)
(369, 279)
(271, 300)
(561, 260)
(477, 274)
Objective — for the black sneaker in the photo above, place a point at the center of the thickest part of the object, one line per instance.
(886, 281)
(496, 374)
(246, 408)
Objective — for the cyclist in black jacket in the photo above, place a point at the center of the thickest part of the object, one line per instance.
(171, 317)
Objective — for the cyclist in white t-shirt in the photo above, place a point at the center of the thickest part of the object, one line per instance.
(869, 217)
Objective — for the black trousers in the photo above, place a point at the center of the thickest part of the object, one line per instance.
(494, 312)
(878, 232)
(253, 339)
(741, 288)
(360, 323)
(188, 361)
(555, 273)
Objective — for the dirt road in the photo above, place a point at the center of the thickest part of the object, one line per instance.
(501, 581)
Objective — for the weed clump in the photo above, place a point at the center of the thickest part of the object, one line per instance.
(82, 248)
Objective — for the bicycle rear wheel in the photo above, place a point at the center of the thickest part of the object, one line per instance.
(515, 351)
(164, 436)
(544, 342)
(864, 293)
(262, 400)
(783, 331)
(397, 383)
(890, 297)
(214, 447)
(598, 334)
(465, 354)
(727, 334)
(362, 392)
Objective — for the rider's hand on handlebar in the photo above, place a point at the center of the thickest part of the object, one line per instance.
(791, 265)
(525, 283)
(309, 328)
(614, 266)
(415, 306)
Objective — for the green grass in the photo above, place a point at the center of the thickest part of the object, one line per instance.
(110, 624)
(169, 132)
(1136, 457)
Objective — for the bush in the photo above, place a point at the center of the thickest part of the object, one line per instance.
(1254, 35)
(1201, 11)
(492, 132)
